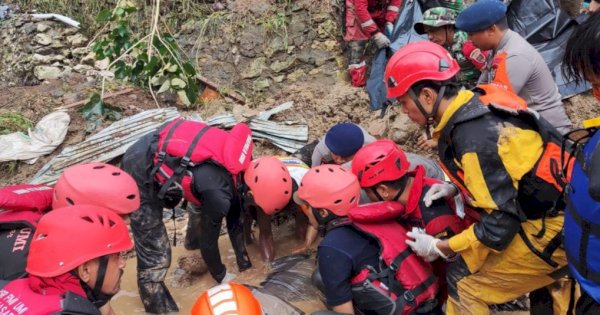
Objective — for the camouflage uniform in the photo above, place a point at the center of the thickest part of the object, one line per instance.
(456, 5)
(442, 16)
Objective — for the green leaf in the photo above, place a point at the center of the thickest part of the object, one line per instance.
(192, 92)
(104, 16)
(178, 83)
(120, 12)
(165, 86)
(122, 30)
(130, 9)
(95, 110)
(152, 66)
(189, 69)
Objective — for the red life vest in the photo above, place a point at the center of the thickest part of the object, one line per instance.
(16, 232)
(26, 197)
(16, 297)
(183, 144)
(405, 278)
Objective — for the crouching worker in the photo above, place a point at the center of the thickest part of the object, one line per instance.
(74, 265)
(203, 165)
(110, 188)
(363, 259)
(504, 160)
(271, 182)
(384, 172)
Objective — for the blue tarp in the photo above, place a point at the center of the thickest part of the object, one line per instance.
(541, 22)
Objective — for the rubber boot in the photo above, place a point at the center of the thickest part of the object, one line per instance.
(358, 74)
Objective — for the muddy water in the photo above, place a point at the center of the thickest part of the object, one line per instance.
(127, 301)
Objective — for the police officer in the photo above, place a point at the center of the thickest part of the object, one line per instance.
(514, 64)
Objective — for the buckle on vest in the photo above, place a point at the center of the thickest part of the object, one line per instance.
(161, 156)
(408, 296)
(185, 161)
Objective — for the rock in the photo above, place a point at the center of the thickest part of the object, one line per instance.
(43, 39)
(70, 31)
(42, 27)
(294, 76)
(320, 17)
(89, 59)
(278, 79)
(29, 28)
(19, 23)
(320, 57)
(77, 40)
(252, 37)
(276, 45)
(261, 84)
(45, 59)
(81, 68)
(46, 72)
(279, 66)
(80, 51)
(37, 58)
(102, 64)
(326, 29)
(255, 69)
(331, 45)
(315, 71)
(57, 43)
(57, 93)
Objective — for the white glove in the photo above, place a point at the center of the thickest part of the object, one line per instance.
(381, 40)
(389, 29)
(438, 191)
(424, 245)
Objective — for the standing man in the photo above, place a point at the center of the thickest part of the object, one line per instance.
(514, 64)
(199, 163)
(364, 20)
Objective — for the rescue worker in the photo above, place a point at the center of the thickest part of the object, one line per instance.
(271, 181)
(110, 188)
(385, 174)
(343, 140)
(228, 298)
(187, 160)
(582, 224)
(364, 20)
(438, 24)
(501, 158)
(349, 255)
(75, 263)
(514, 64)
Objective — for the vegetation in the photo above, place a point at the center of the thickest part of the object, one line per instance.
(13, 122)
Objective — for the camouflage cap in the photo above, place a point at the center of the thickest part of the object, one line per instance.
(435, 17)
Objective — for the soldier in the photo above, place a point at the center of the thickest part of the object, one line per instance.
(438, 24)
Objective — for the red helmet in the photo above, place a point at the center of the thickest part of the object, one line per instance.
(417, 62)
(229, 298)
(68, 237)
(330, 187)
(97, 184)
(379, 161)
(270, 183)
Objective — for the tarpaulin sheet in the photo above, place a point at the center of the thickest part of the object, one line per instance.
(541, 22)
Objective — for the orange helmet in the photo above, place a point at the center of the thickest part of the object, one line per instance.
(230, 298)
(270, 183)
(68, 237)
(330, 187)
(379, 161)
(97, 184)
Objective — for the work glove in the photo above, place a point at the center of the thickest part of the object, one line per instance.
(438, 191)
(389, 29)
(381, 40)
(424, 245)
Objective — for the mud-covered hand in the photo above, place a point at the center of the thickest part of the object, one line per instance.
(381, 40)
(424, 245)
(389, 29)
(438, 191)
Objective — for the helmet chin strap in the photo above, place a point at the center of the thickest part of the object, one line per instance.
(428, 116)
(95, 295)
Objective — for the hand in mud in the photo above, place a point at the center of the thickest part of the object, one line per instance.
(426, 144)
